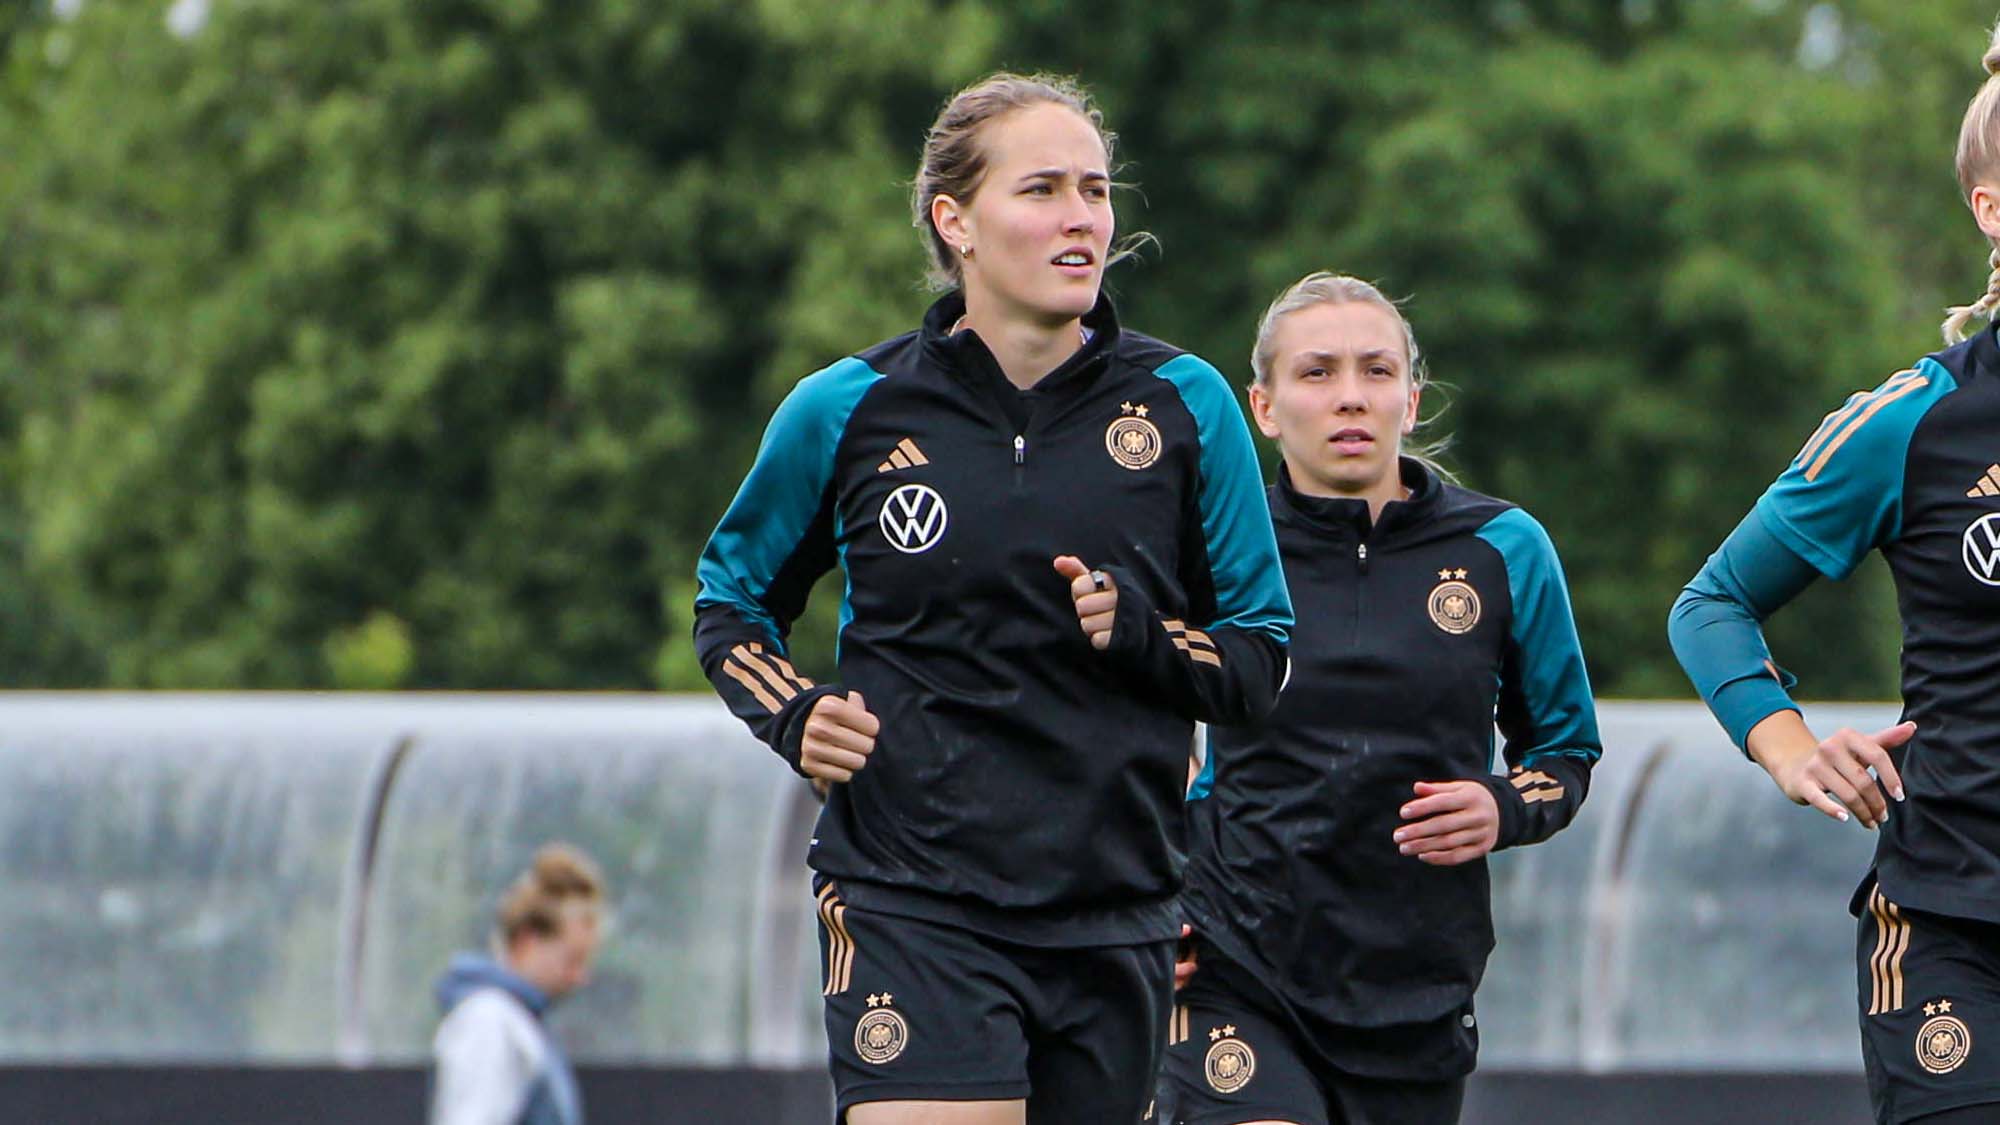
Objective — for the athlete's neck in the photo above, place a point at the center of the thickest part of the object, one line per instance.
(1378, 492)
(1025, 349)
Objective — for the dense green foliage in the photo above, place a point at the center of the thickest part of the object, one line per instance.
(390, 344)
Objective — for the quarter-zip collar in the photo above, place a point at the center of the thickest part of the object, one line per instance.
(1346, 519)
(966, 355)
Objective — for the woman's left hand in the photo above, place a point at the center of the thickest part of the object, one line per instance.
(1450, 822)
(1096, 597)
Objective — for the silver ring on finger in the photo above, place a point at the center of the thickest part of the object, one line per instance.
(1097, 580)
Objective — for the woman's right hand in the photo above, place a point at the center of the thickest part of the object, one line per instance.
(1832, 774)
(839, 736)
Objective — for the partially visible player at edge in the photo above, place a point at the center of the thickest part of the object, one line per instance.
(1058, 558)
(1337, 880)
(1912, 469)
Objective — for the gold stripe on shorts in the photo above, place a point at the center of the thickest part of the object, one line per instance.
(1900, 946)
(839, 943)
(1875, 958)
(1885, 965)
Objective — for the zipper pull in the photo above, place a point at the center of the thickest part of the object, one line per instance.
(1361, 555)
(1020, 450)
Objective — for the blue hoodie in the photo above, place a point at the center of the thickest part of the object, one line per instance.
(496, 1062)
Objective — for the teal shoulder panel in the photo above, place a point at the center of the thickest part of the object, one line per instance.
(1235, 515)
(782, 493)
(1842, 496)
(1554, 685)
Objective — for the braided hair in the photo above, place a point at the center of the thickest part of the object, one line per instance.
(1979, 164)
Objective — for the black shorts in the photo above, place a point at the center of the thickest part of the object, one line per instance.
(1231, 1059)
(919, 1010)
(1930, 1010)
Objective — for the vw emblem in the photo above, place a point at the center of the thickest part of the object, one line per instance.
(1982, 548)
(913, 518)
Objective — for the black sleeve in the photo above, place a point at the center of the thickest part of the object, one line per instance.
(1539, 801)
(1221, 674)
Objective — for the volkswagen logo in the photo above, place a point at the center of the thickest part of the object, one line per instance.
(913, 518)
(1982, 548)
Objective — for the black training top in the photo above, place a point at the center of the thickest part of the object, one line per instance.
(1910, 469)
(1413, 636)
(1023, 784)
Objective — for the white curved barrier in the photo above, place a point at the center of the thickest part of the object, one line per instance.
(276, 878)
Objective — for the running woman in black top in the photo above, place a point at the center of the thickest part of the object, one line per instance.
(1337, 882)
(1058, 558)
(1910, 469)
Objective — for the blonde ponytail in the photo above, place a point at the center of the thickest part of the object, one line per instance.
(1959, 317)
(1978, 162)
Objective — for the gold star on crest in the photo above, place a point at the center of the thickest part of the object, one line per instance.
(1229, 1029)
(1459, 574)
(1140, 410)
(1944, 1005)
(1214, 1033)
(886, 998)
(1930, 1009)
(874, 1001)
(1124, 408)
(1444, 574)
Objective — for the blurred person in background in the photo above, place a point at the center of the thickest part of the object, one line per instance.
(1337, 882)
(1910, 469)
(497, 1064)
(1058, 558)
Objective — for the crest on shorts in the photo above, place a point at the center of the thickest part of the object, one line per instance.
(1230, 1063)
(1943, 1042)
(1454, 604)
(882, 1033)
(1132, 439)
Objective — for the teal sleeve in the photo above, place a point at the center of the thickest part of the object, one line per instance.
(773, 543)
(1842, 496)
(1545, 709)
(1545, 689)
(1715, 626)
(1235, 516)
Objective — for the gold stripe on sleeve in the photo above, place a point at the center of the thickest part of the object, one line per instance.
(1881, 400)
(1838, 417)
(770, 676)
(756, 689)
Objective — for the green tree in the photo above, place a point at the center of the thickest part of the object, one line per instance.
(449, 312)
(1644, 248)
(380, 343)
